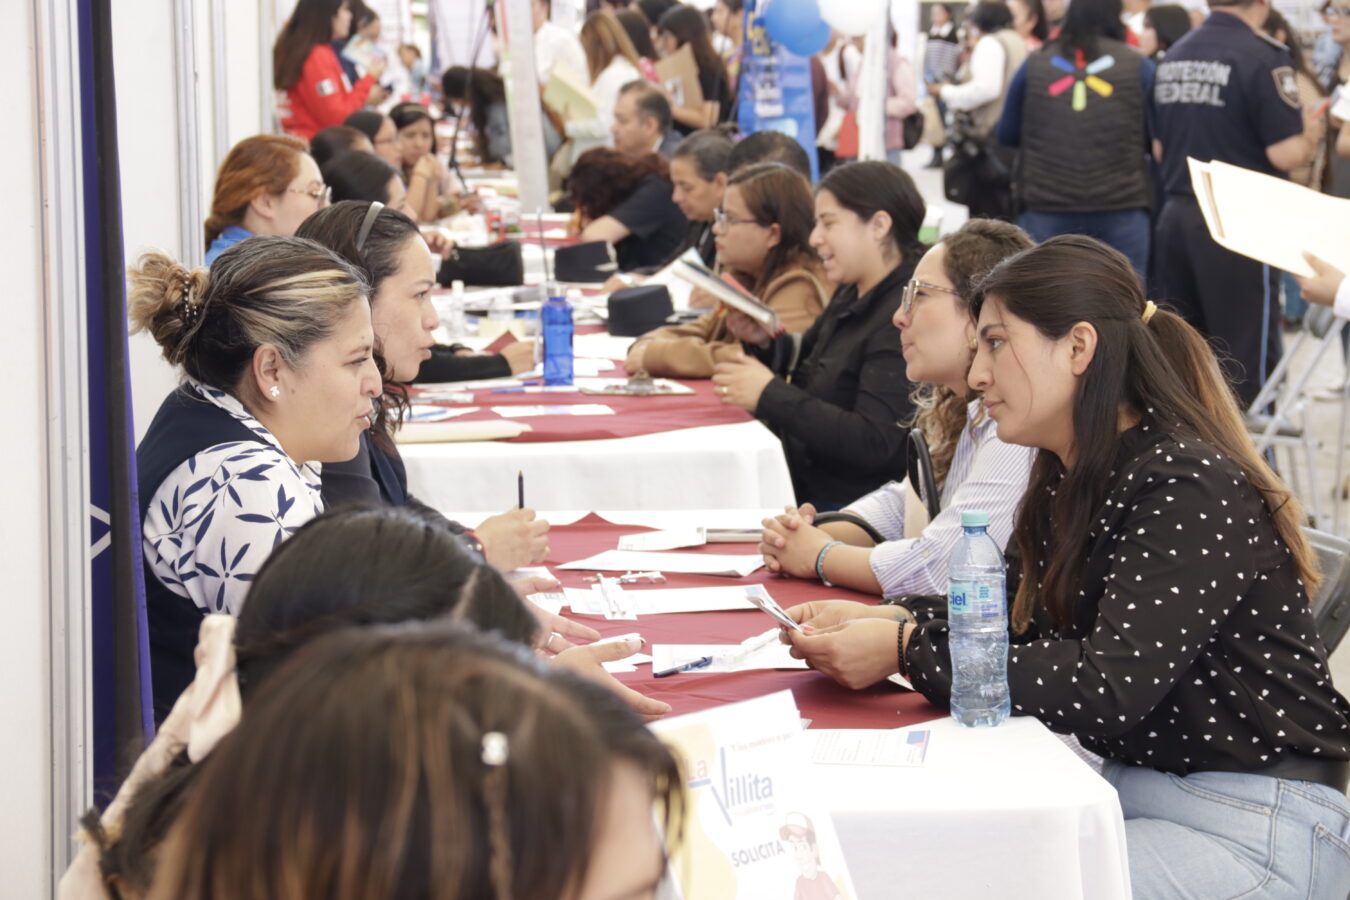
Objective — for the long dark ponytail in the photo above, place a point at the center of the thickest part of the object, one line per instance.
(1162, 368)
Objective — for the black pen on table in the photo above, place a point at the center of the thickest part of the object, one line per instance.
(701, 663)
(520, 489)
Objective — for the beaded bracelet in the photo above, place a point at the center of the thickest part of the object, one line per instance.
(902, 662)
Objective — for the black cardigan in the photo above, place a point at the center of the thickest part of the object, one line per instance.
(377, 477)
(185, 425)
(842, 406)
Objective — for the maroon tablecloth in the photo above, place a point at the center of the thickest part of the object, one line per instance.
(632, 415)
(820, 698)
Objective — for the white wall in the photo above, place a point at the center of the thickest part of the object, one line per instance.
(150, 131)
(149, 134)
(24, 707)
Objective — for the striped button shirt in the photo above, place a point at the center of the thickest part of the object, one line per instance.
(985, 474)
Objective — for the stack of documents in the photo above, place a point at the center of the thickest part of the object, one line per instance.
(1238, 203)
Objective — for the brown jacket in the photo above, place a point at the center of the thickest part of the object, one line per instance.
(690, 351)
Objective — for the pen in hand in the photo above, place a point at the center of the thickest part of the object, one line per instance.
(520, 489)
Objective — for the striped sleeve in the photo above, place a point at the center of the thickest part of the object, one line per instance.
(884, 509)
(986, 474)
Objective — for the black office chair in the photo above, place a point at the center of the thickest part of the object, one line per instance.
(921, 481)
(921, 478)
(1331, 603)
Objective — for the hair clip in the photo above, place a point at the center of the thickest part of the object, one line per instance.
(496, 749)
(190, 309)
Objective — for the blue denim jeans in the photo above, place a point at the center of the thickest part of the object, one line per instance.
(1127, 230)
(1222, 835)
(1294, 304)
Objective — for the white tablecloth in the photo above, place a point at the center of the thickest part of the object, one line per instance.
(713, 467)
(1009, 812)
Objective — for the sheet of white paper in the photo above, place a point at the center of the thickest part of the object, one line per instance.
(486, 384)
(556, 409)
(549, 601)
(443, 394)
(680, 519)
(663, 540)
(601, 346)
(529, 572)
(425, 412)
(539, 389)
(586, 367)
(628, 664)
(663, 601)
(772, 656)
(730, 565)
(868, 747)
(1237, 204)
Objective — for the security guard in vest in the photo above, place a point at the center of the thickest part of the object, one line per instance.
(1225, 92)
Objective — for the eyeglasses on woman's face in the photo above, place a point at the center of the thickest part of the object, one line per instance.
(322, 195)
(913, 293)
(722, 220)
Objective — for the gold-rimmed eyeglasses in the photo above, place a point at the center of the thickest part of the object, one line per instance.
(322, 195)
(912, 288)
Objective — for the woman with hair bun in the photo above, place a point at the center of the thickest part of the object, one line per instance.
(268, 184)
(275, 343)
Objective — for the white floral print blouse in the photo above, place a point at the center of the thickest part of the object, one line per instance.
(216, 518)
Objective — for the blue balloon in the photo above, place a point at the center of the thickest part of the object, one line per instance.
(797, 25)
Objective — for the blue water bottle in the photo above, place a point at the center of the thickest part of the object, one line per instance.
(977, 618)
(555, 321)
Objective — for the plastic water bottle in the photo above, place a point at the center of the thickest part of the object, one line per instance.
(555, 321)
(977, 617)
(455, 322)
(499, 309)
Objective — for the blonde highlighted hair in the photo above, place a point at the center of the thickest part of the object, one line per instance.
(283, 291)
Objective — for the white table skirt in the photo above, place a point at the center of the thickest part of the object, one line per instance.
(1009, 812)
(737, 466)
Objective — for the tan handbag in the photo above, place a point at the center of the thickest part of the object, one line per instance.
(934, 132)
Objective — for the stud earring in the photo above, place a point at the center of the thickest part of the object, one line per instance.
(274, 392)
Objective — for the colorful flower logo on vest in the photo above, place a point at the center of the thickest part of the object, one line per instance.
(1090, 71)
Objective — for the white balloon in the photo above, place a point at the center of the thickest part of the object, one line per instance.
(852, 17)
